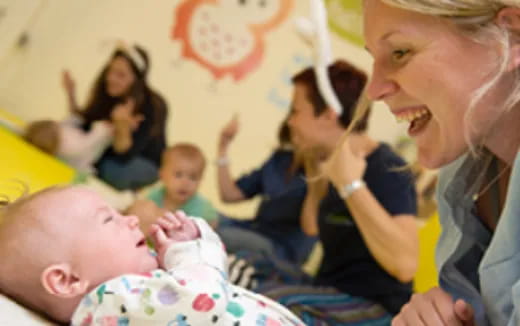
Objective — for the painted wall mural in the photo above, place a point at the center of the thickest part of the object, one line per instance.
(345, 19)
(226, 37)
(280, 94)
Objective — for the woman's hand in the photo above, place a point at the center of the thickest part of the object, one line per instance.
(69, 85)
(435, 307)
(227, 134)
(344, 165)
(123, 114)
(68, 82)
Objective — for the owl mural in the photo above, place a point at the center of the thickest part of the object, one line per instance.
(227, 36)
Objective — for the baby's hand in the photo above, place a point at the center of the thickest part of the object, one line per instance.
(172, 228)
(160, 241)
(178, 226)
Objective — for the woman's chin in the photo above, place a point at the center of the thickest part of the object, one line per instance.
(114, 92)
(433, 160)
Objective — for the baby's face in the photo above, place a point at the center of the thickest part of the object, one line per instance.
(181, 177)
(104, 243)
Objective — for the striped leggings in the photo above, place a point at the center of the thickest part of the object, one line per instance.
(325, 306)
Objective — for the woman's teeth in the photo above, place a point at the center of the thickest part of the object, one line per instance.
(410, 116)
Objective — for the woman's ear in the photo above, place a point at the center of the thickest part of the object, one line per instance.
(60, 281)
(330, 114)
(509, 18)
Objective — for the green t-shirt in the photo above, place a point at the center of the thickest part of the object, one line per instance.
(196, 206)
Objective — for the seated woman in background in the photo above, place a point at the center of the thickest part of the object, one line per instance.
(275, 229)
(138, 114)
(365, 216)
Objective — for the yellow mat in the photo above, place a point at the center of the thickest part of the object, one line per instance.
(11, 121)
(21, 162)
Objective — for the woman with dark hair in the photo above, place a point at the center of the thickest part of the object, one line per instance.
(363, 211)
(275, 230)
(121, 95)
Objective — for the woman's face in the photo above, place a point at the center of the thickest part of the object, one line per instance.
(120, 77)
(425, 70)
(306, 128)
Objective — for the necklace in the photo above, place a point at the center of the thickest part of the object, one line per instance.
(495, 179)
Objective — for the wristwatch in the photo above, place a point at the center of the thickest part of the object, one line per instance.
(347, 190)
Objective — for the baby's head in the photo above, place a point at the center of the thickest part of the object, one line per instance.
(44, 134)
(60, 243)
(181, 171)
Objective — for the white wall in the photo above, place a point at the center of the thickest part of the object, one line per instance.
(69, 34)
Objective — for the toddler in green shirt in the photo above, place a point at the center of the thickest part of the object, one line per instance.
(182, 168)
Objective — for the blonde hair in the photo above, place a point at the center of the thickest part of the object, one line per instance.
(477, 20)
(185, 150)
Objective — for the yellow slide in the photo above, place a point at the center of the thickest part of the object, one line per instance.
(22, 163)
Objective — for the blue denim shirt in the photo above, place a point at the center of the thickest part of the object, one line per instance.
(475, 264)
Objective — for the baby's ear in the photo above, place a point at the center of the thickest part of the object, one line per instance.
(60, 281)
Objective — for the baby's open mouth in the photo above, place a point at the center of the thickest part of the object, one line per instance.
(141, 243)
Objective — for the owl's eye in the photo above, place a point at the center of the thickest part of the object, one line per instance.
(242, 2)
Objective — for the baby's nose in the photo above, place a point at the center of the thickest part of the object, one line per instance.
(133, 221)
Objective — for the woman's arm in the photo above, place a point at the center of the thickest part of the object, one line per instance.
(70, 89)
(125, 122)
(122, 137)
(316, 190)
(309, 213)
(228, 190)
(392, 240)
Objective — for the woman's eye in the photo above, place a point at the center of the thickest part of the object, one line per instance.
(398, 55)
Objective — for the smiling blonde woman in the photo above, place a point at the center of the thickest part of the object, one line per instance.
(450, 69)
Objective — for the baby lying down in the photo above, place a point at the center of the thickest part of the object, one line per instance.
(69, 256)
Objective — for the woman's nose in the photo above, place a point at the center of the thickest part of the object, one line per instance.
(380, 87)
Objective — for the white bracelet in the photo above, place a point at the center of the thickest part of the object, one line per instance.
(222, 161)
(347, 190)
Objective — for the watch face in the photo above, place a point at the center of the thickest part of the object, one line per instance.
(347, 190)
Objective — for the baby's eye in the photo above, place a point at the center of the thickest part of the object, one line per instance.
(108, 219)
(398, 55)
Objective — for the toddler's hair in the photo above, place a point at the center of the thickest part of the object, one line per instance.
(44, 134)
(186, 150)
